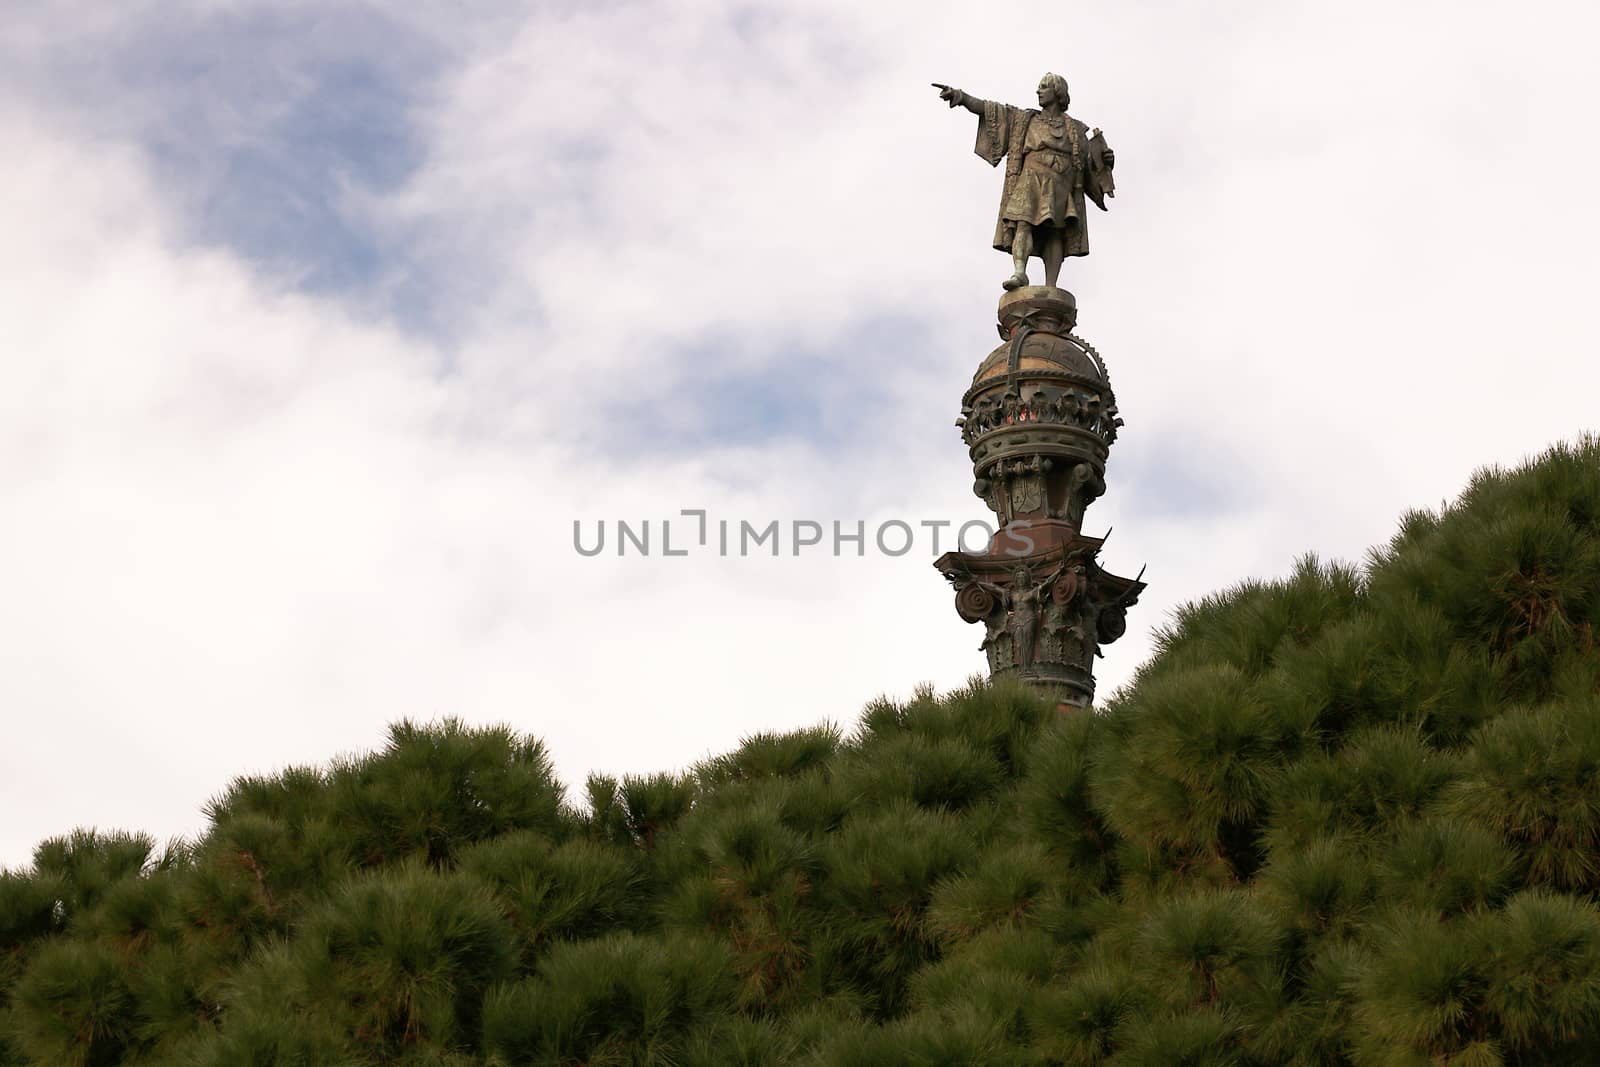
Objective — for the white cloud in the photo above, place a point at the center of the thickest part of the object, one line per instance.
(243, 526)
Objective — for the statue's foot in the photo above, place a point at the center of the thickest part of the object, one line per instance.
(1016, 281)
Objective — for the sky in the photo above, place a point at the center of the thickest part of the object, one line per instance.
(321, 324)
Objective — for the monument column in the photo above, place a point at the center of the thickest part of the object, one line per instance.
(1040, 418)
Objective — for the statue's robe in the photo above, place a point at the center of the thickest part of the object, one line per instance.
(1051, 191)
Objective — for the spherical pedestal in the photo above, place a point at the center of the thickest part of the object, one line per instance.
(1040, 416)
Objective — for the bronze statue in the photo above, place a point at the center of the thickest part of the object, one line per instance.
(1039, 418)
(1053, 162)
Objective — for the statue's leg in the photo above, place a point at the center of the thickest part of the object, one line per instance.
(1021, 249)
(1055, 250)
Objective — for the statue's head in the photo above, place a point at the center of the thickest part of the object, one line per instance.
(1054, 87)
(1021, 577)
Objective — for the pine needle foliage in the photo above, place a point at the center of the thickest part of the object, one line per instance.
(1347, 818)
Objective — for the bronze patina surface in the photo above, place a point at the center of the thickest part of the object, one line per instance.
(1054, 163)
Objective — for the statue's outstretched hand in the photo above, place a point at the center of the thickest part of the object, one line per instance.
(952, 96)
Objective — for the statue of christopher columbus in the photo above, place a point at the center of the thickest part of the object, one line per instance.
(1053, 162)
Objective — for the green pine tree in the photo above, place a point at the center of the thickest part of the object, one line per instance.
(1351, 817)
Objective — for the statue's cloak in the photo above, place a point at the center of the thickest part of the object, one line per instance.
(1003, 134)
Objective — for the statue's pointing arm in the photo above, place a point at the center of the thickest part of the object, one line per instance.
(994, 122)
(956, 98)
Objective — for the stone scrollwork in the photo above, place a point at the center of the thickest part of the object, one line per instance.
(1111, 624)
(1066, 587)
(974, 603)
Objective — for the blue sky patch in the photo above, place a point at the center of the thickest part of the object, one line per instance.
(718, 393)
(267, 129)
